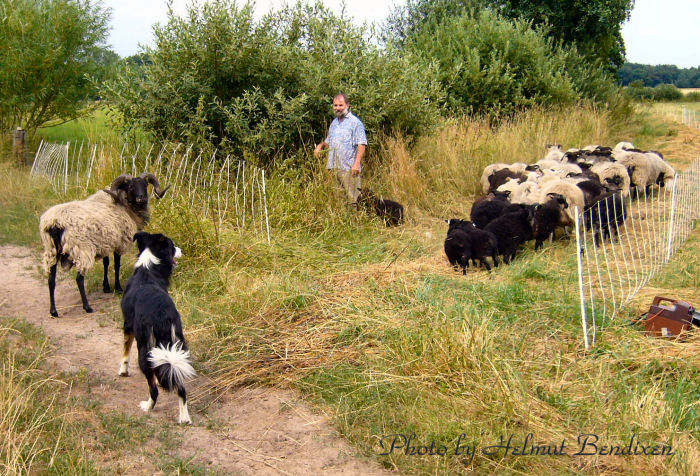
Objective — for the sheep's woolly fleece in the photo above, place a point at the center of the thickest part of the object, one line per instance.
(93, 228)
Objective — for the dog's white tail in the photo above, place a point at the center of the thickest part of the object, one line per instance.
(177, 361)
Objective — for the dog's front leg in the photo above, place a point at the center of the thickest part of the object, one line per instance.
(124, 367)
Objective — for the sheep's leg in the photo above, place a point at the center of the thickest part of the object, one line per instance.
(105, 281)
(486, 263)
(80, 280)
(52, 288)
(117, 265)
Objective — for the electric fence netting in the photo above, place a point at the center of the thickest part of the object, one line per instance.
(218, 187)
(651, 226)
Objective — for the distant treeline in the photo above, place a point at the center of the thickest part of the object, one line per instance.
(648, 75)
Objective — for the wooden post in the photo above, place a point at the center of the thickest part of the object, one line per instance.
(19, 146)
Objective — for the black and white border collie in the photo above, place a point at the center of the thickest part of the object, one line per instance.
(151, 317)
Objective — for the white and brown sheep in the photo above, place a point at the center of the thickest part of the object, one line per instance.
(77, 233)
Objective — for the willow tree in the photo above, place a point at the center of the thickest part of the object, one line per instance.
(50, 52)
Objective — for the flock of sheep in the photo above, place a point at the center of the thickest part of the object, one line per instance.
(522, 202)
(529, 201)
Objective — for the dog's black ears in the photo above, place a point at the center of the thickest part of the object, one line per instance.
(140, 239)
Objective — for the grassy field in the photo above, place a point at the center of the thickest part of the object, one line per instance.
(372, 324)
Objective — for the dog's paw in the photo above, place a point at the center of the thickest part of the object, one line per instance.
(124, 370)
(146, 405)
(184, 421)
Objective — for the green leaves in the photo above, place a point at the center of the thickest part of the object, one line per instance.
(51, 49)
(263, 89)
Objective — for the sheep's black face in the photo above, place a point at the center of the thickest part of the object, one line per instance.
(137, 193)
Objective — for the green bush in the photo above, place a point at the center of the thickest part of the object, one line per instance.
(662, 92)
(640, 93)
(693, 96)
(263, 89)
(667, 92)
(492, 65)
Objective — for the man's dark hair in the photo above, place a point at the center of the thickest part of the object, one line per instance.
(342, 95)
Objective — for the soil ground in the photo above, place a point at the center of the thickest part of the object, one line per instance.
(249, 431)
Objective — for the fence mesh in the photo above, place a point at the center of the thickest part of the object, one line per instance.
(218, 187)
(612, 270)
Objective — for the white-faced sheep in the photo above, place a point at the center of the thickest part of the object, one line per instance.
(79, 232)
(554, 152)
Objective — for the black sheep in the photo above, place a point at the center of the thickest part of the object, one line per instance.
(500, 177)
(487, 209)
(458, 248)
(605, 216)
(592, 190)
(511, 230)
(546, 217)
(388, 210)
(484, 243)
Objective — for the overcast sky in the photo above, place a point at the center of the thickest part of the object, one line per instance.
(659, 32)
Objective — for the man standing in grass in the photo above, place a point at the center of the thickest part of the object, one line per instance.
(346, 142)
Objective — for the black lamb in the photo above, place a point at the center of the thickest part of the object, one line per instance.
(511, 230)
(592, 190)
(546, 217)
(458, 248)
(606, 216)
(484, 243)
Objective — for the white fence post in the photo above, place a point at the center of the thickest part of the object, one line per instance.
(584, 322)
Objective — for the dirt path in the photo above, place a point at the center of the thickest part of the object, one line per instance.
(255, 431)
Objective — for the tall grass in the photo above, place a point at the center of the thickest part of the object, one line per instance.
(442, 170)
(372, 324)
(35, 436)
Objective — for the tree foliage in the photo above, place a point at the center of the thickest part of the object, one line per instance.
(592, 26)
(489, 64)
(50, 50)
(264, 88)
(653, 75)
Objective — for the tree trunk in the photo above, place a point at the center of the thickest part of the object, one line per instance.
(19, 147)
